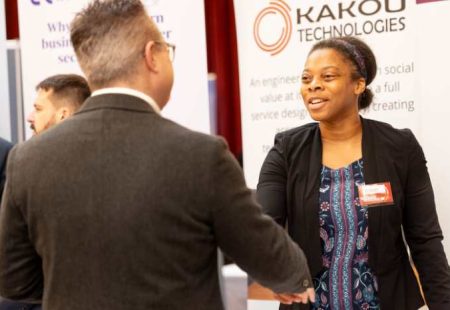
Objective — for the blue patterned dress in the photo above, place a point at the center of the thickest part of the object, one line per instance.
(346, 280)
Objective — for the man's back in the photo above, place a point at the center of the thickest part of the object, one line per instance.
(126, 210)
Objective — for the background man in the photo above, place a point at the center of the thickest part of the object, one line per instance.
(125, 209)
(58, 97)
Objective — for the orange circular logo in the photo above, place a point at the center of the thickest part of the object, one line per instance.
(276, 7)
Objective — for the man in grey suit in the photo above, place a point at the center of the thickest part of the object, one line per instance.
(120, 208)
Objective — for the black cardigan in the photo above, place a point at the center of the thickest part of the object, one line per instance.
(288, 190)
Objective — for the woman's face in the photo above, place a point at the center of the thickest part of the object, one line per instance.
(328, 89)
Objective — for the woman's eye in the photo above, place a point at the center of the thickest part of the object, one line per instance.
(305, 79)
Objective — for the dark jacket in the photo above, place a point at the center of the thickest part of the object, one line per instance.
(288, 189)
(5, 146)
(119, 208)
(14, 305)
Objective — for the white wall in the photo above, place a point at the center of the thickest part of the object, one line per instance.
(434, 83)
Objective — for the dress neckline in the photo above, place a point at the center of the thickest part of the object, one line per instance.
(343, 167)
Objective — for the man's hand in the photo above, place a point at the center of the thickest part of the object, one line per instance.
(305, 297)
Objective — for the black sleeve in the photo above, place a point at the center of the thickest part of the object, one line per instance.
(423, 233)
(253, 240)
(271, 190)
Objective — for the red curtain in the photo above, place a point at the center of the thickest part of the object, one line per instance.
(223, 61)
(12, 20)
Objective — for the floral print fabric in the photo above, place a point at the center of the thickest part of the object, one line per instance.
(346, 280)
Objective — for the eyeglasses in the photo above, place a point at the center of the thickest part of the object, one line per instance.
(170, 49)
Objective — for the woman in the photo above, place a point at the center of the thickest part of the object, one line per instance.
(311, 182)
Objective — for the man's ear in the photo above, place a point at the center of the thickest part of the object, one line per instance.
(63, 113)
(149, 56)
(360, 86)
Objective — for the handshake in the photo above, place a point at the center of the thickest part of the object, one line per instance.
(304, 298)
(256, 292)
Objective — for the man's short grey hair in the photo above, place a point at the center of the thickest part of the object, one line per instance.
(109, 38)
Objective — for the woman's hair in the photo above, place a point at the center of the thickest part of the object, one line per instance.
(360, 56)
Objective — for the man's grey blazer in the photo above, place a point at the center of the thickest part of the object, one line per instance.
(120, 208)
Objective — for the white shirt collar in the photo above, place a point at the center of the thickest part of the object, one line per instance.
(128, 91)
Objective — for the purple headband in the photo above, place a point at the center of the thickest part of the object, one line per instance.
(356, 55)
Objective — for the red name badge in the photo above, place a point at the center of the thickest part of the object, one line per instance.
(378, 194)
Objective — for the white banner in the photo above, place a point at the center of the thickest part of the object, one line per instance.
(5, 118)
(408, 39)
(46, 50)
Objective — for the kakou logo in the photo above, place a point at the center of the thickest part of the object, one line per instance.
(267, 37)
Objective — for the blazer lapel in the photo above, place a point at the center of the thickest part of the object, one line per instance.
(372, 175)
(311, 201)
(315, 166)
